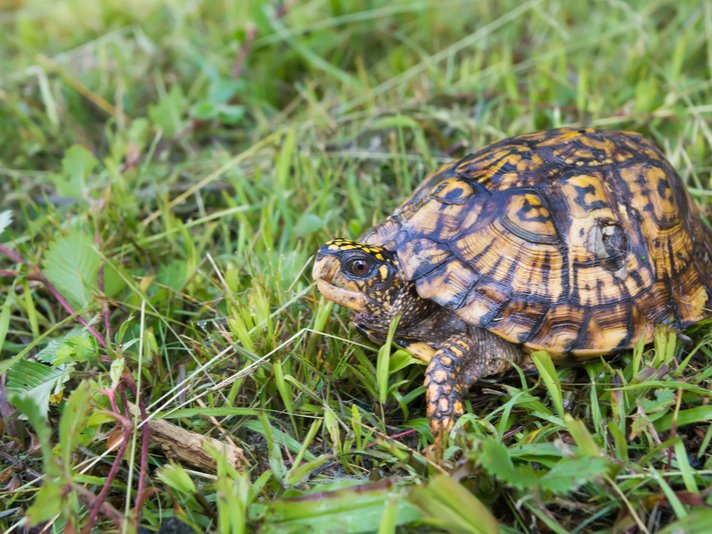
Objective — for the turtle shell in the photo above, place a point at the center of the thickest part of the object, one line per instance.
(576, 241)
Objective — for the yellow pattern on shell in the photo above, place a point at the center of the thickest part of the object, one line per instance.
(576, 241)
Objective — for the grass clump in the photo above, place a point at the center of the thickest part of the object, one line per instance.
(167, 170)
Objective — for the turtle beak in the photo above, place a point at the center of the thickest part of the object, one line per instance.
(325, 272)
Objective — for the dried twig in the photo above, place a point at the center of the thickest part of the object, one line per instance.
(188, 447)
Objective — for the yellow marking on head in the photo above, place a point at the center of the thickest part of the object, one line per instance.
(379, 256)
(383, 270)
(334, 247)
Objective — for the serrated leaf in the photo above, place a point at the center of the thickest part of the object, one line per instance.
(495, 459)
(50, 351)
(5, 220)
(72, 265)
(73, 421)
(447, 504)
(76, 349)
(664, 399)
(569, 474)
(35, 380)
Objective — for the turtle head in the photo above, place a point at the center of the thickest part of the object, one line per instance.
(368, 280)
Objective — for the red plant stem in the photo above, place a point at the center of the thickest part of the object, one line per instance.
(11, 274)
(86, 496)
(63, 302)
(37, 275)
(14, 256)
(99, 501)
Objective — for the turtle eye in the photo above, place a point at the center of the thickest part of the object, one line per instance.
(359, 267)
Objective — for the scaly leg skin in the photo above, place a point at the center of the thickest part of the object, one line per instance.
(459, 362)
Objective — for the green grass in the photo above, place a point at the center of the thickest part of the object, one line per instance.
(173, 166)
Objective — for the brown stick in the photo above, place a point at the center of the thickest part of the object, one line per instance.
(188, 447)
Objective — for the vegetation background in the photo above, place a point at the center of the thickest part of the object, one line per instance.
(167, 170)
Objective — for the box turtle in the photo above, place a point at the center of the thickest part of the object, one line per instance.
(574, 241)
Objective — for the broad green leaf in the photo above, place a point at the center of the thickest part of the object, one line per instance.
(448, 505)
(72, 265)
(35, 380)
(73, 421)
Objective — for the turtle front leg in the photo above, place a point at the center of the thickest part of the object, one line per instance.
(459, 362)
